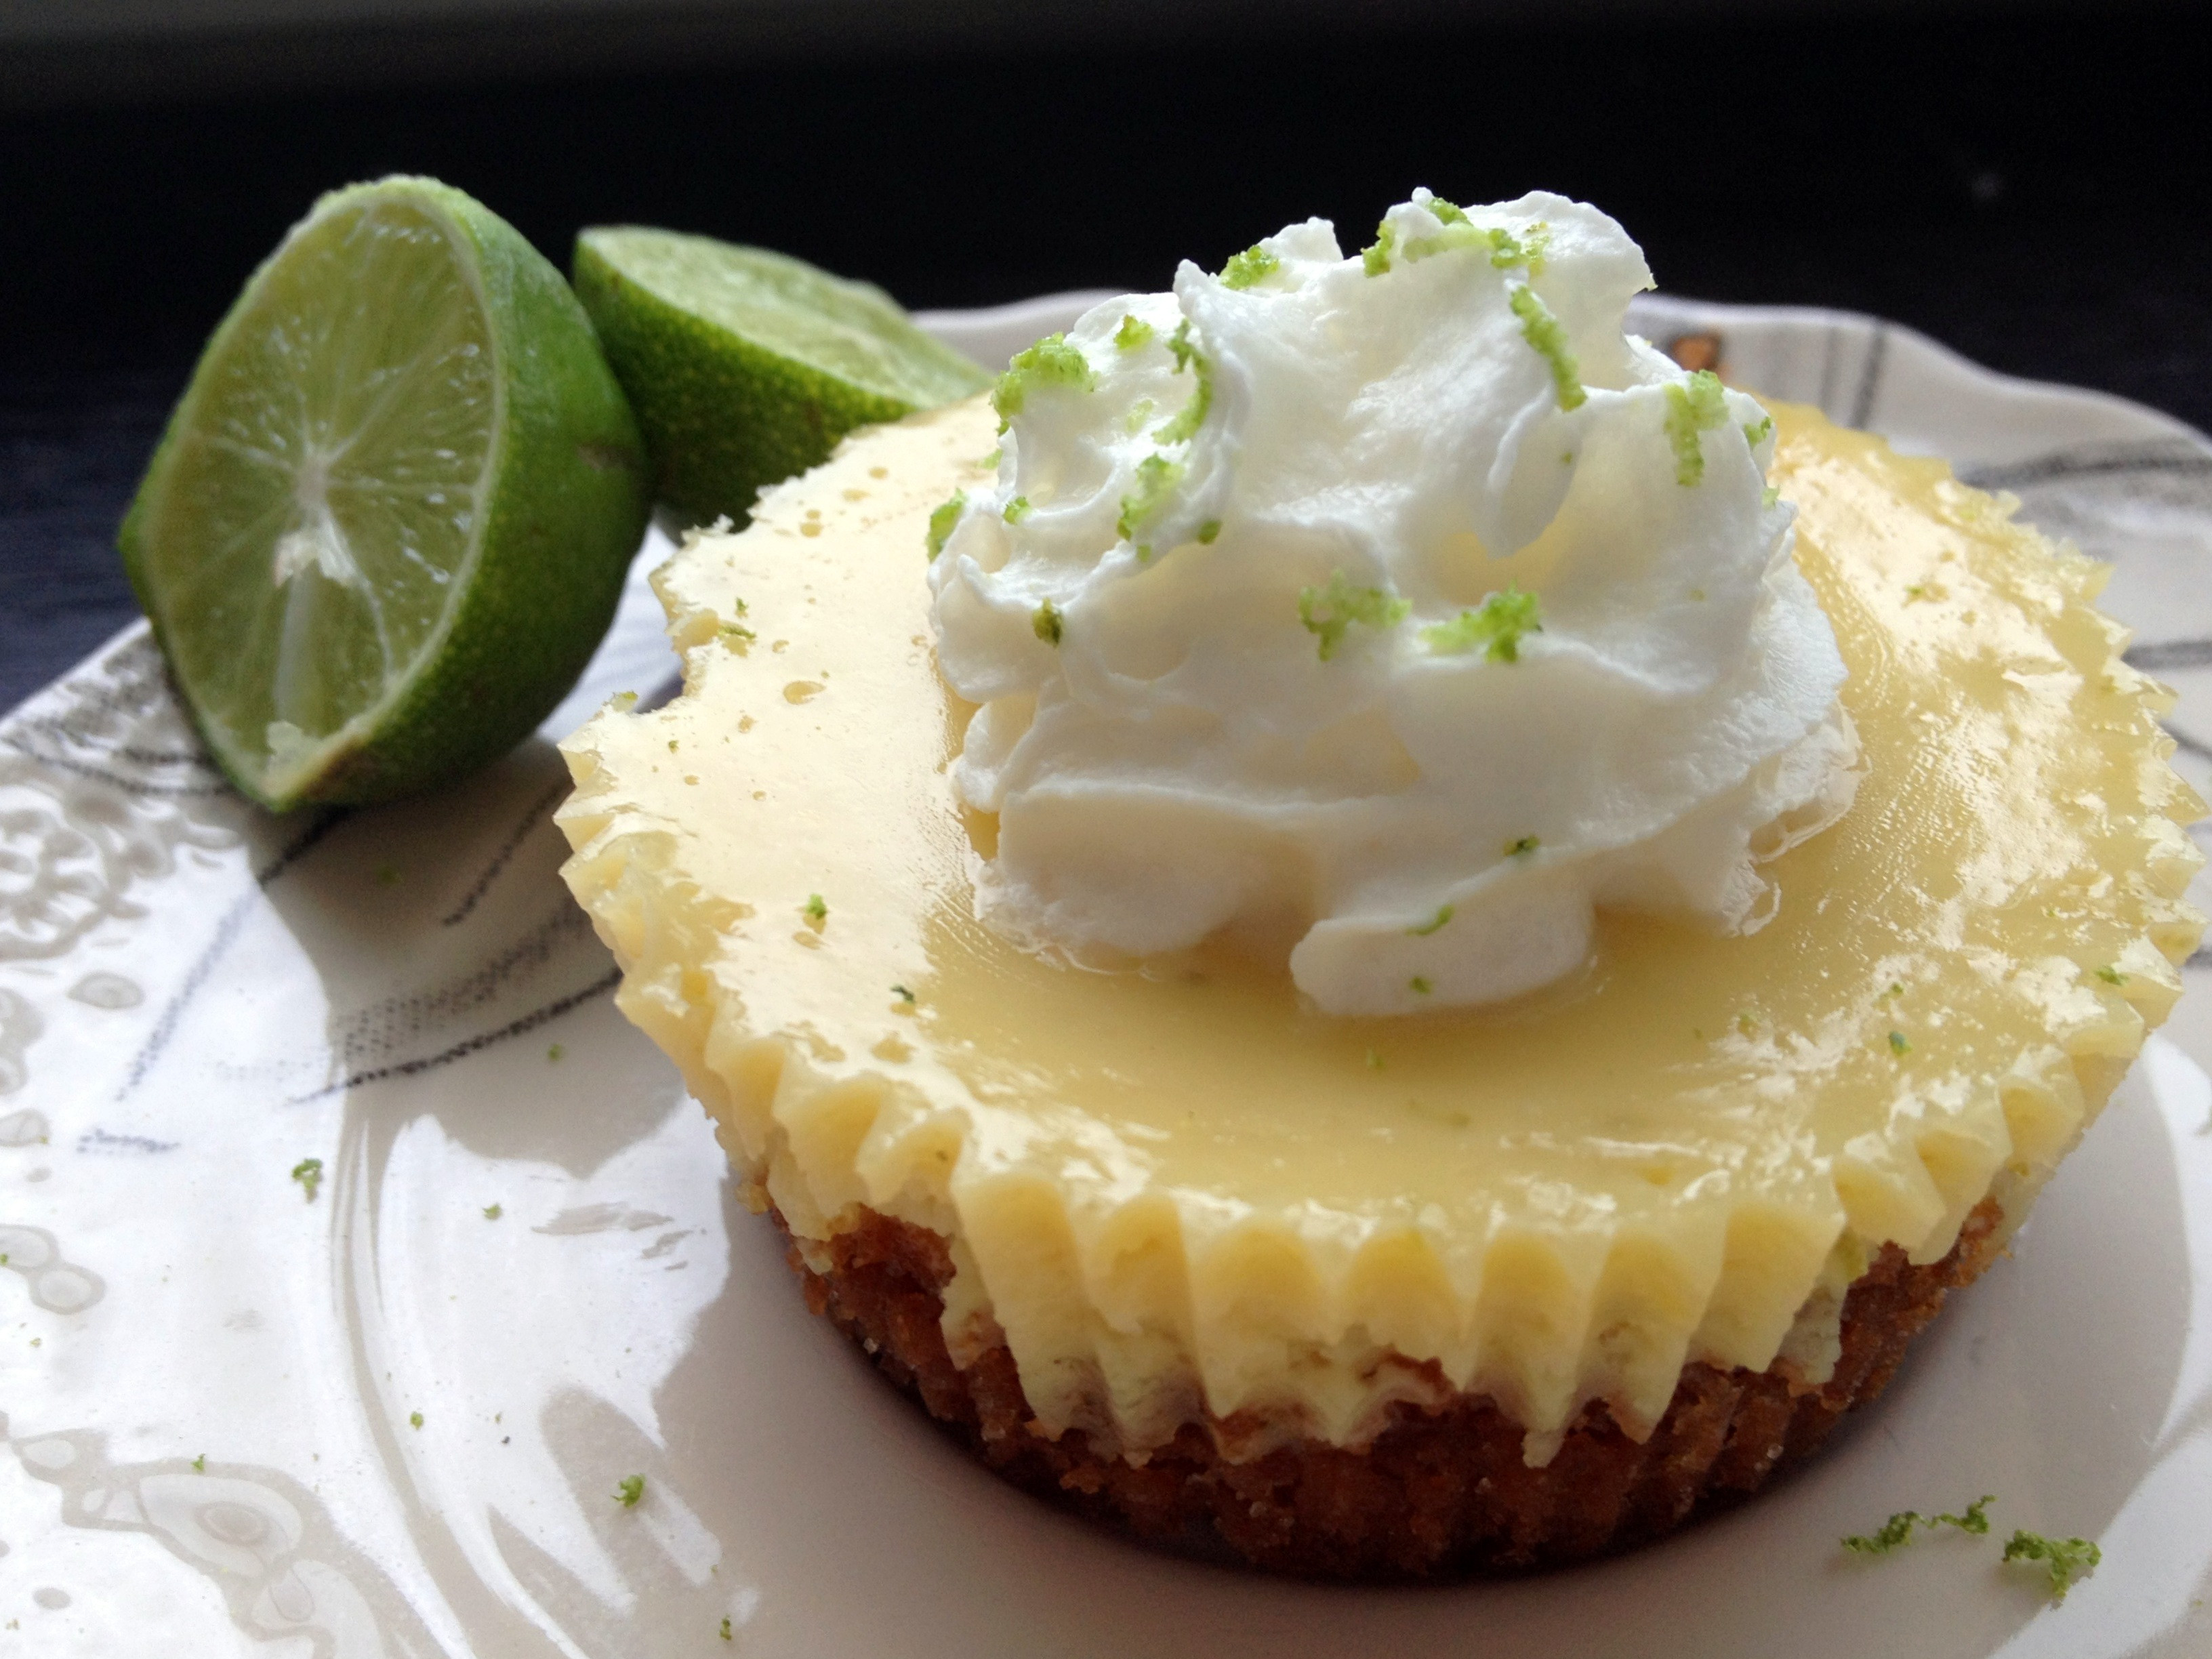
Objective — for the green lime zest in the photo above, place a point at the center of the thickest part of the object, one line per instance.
(414, 1419)
(728, 1635)
(1770, 496)
(199, 1464)
(493, 1211)
(1254, 265)
(1207, 531)
(1047, 624)
(1447, 212)
(1547, 337)
(1374, 258)
(2112, 976)
(1179, 346)
(308, 1172)
(1329, 612)
(628, 1490)
(2068, 1560)
(1422, 929)
(942, 521)
(1051, 361)
(1522, 848)
(1420, 986)
(1185, 425)
(1898, 1045)
(1507, 250)
(1134, 331)
(814, 909)
(1756, 435)
(903, 993)
(1495, 628)
(1016, 509)
(1895, 1532)
(1693, 408)
(1445, 241)
(1156, 476)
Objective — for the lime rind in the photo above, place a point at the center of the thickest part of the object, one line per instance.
(746, 367)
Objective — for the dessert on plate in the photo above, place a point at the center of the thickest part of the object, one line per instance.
(1361, 913)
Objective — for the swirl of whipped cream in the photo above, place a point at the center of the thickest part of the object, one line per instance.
(1397, 610)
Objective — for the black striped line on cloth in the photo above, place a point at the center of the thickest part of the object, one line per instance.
(2163, 458)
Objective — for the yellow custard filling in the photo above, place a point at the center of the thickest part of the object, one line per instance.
(1177, 1188)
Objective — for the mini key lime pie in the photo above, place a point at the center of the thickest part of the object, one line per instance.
(1362, 914)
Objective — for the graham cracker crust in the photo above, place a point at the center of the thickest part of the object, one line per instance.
(1440, 1492)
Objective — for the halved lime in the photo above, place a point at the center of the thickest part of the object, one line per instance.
(746, 367)
(392, 511)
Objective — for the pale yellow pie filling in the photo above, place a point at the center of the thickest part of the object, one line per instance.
(1176, 1192)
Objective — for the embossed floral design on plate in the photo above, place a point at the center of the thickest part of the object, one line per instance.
(356, 1256)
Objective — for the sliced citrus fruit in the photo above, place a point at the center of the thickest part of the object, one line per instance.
(746, 367)
(392, 514)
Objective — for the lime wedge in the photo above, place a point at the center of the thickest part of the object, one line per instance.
(392, 514)
(746, 367)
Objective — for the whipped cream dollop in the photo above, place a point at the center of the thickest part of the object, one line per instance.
(1396, 611)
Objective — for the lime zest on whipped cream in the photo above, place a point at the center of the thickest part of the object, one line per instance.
(1184, 426)
(1016, 510)
(1156, 476)
(1422, 929)
(308, 1172)
(1051, 361)
(1495, 628)
(1254, 265)
(1179, 346)
(1328, 611)
(941, 523)
(1134, 331)
(1898, 1044)
(1374, 259)
(1047, 624)
(1692, 409)
(1521, 846)
(1507, 250)
(815, 911)
(1548, 339)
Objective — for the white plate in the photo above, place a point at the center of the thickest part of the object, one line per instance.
(209, 1379)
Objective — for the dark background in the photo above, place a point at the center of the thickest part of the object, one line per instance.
(2032, 188)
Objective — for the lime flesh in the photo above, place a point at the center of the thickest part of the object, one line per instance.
(746, 367)
(392, 511)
